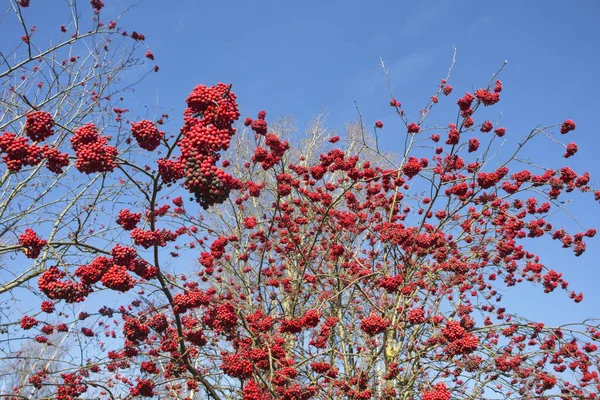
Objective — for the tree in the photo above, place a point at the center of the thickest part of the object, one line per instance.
(286, 269)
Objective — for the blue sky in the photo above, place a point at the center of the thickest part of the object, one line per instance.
(298, 58)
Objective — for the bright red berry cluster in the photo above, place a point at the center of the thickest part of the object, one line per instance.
(28, 322)
(146, 134)
(374, 324)
(32, 244)
(207, 130)
(92, 150)
(19, 152)
(51, 285)
(438, 392)
(128, 220)
(568, 126)
(38, 126)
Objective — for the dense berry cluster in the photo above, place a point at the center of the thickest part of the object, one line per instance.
(31, 243)
(92, 150)
(147, 239)
(568, 126)
(28, 322)
(144, 388)
(97, 5)
(19, 152)
(259, 125)
(207, 130)
(51, 285)
(38, 126)
(374, 324)
(438, 392)
(128, 220)
(146, 134)
(55, 160)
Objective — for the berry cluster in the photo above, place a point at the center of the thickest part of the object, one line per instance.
(416, 316)
(568, 126)
(97, 5)
(28, 322)
(128, 220)
(147, 135)
(147, 239)
(31, 243)
(55, 160)
(94, 271)
(38, 126)
(374, 324)
(19, 152)
(170, 170)
(207, 130)
(438, 392)
(460, 341)
(236, 366)
(117, 278)
(144, 388)
(50, 283)
(134, 330)
(259, 126)
(92, 150)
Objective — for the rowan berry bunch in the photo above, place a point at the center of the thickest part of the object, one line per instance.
(146, 134)
(207, 130)
(38, 126)
(19, 152)
(32, 244)
(93, 152)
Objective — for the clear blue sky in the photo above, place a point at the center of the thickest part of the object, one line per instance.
(296, 58)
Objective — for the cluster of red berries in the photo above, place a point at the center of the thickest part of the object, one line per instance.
(236, 366)
(413, 128)
(128, 220)
(259, 322)
(170, 170)
(259, 126)
(567, 126)
(117, 278)
(31, 243)
(412, 167)
(158, 322)
(487, 97)
(438, 392)
(146, 134)
(134, 330)
(51, 285)
(221, 318)
(38, 126)
(460, 341)
(97, 5)
(416, 316)
(92, 150)
(55, 160)
(19, 152)
(47, 306)
(374, 324)
(94, 271)
(71, 387)
(571, 150)
(390, 283)
(207, 130)
(147, 239)
(487, 180)
(144, 388)
(28, 322)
